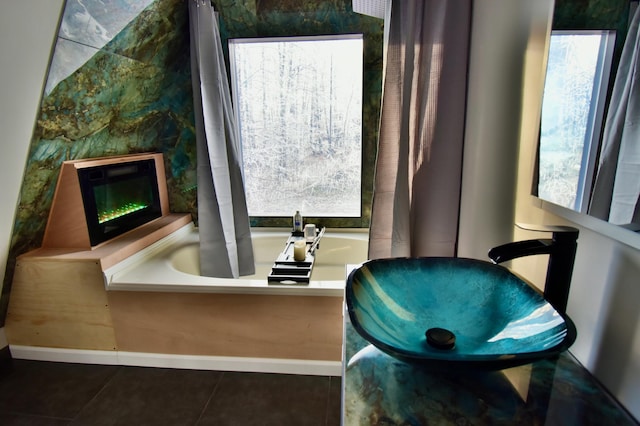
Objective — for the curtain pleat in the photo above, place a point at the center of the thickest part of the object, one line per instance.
(226, 250)
(616, 193)
(418, 170)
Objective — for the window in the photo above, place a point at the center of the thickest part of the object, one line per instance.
(572, 115)
(298, 102)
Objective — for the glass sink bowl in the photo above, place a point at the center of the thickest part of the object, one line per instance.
(454, 312)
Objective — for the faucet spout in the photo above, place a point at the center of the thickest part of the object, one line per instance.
(561, 248)
(517, 249)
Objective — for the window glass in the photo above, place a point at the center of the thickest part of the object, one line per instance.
(299, 107)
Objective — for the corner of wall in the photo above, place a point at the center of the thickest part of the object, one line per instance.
(28, 49)
(508, 54)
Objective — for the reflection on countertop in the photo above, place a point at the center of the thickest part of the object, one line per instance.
(378, 389)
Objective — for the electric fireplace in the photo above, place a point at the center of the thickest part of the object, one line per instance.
(118, 198)
(99, 199)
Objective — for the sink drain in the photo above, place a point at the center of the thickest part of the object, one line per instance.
(440, 338)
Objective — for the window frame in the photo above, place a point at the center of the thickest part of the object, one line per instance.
(336, 222)
(595, 118)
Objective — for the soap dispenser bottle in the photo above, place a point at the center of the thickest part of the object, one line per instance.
(297, 222)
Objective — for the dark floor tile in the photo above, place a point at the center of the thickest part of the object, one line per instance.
(151, 396)
(12, 419)
(268, 399)
(335, 397)
(5, 361)
(51, 389)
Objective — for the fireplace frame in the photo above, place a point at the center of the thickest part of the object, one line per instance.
(73, 219)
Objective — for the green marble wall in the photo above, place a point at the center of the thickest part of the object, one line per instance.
(594, 15)
(591, 14)
(133, 94)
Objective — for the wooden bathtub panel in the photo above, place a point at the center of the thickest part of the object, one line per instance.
(60, 304)
(290, 327)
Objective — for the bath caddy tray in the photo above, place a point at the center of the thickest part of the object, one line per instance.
(287, 270)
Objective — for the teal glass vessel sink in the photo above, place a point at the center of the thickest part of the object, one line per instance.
(454, 312)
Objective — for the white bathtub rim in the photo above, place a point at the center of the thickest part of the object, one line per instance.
(182, 233)
(132, 274)
(189, 362)
(319, 288)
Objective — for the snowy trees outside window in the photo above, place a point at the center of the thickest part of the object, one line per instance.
(298, 101)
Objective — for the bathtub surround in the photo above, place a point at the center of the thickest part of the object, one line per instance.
(162, 324)
(59, 294)
(225, 238)
(62, 295)
(295, 334)
(150, 308)
(172, 265)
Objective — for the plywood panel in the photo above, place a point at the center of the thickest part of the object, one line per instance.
(67, 226)
(59, 304)
(119, 248)
(289, 327)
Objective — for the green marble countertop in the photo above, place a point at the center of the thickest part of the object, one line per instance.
(380, 390)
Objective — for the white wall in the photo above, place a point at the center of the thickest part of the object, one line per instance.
(498, 42)
(508, 60)
(507, 36)
(27, 32)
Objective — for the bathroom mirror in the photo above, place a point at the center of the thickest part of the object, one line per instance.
(580, 170)
(573, 106)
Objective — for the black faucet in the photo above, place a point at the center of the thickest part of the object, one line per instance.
(561, 248)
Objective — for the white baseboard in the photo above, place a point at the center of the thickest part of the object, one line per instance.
(193, 362)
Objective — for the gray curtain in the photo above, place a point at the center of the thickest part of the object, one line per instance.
(418, 170)
(616, 193)
(225, 236)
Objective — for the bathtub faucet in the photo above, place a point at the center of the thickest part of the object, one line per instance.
(561, 248)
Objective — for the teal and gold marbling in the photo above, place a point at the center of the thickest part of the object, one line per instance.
(381, 390)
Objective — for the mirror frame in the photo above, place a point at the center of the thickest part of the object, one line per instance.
(616, 232)
(567, 16)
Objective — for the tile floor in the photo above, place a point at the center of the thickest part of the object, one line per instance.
(53, 394)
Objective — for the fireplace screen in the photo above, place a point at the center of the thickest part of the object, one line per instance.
(119, 197)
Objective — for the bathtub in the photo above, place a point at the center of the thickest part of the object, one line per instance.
(172, 265)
